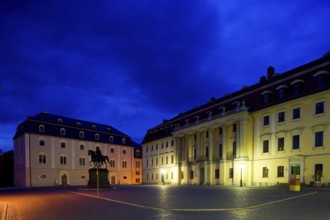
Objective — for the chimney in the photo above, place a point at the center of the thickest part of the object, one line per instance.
(270, 72)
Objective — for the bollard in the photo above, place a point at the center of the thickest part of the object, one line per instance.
(294, 184)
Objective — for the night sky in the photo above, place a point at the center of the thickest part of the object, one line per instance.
(133, 63)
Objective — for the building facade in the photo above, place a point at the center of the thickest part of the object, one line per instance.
(261, 135)
(53, 150)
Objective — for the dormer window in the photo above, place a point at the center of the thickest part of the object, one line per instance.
(111, 139)
(297, 86)
(108, 129)
(81, 134)
(97, 137)
(42, 128)
(187, 122)
(62, 131)
(209, 115)
(281, 92)
(123, 140)
(236, 106)
(222, 111)
(196, 119)
(321, 79)
(93, 126)
(266, 96)
(78, 124)
(59, 120)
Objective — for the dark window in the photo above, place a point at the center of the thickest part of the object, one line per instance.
(319, 139)
(280, 144)
(297, 88)
(281, 117)
(207, 152)
(234, 127)
(231, 173)
(220, 131)
(319, 108)
(63, 160)
(217, 173)
(191, 174)
(82, 147)
(295, 142)
(195, 156)
(320, 81)
(42, 142)
(266, 120)
(266, 98)
(265, 172)
(280, 171)
(81, 161)
(265, 146)
(296, 113)
(62, 145)
(124, 151)
(172, 142)
(42, 158)
(318, 172)
(220, 151)
(234, 148)
(281, 93)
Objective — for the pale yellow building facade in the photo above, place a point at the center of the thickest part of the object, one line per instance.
(261, 135)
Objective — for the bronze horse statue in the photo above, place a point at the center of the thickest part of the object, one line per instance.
(98, 159)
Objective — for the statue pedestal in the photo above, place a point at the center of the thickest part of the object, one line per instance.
(98, 179)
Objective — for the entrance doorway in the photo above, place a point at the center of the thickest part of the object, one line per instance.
(64, 179)
(113, 180)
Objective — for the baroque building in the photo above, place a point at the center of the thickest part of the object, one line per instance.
(260, 135)
(53, 150)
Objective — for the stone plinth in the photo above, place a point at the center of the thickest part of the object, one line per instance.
(98, 177)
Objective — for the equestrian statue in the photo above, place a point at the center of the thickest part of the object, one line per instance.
(97, 158)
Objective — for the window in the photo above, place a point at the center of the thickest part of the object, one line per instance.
(321, 80)
(319, 108)
(42, 158)
(266, 98)
(93, 126)
(166, 143)
(234, 148)
(42, 142)
(81, 161)
(207, 152)
(112, 163)
(172, 142)
(231, 173)
(111, 139)
(265, 172)
(156, 161)
(280, 171)
(266, 120)
(281, 117)
(124, 164)
(297, 88)
(234, 127)
(82, 147)
(59, 121)
(280, 144)
(81, 134)
(265, 146)
(78, 124)
(124, 151)
(318, 172)
(62, 131)
(281, 93)
(295, 142)
(172, 159)
(296, 113)
(194, 153)
(97, 137)
(62, 144)
(217, 173)
(319, 139)
(123, 140)
(62, 160)
(112, 150)
(41, 128)
(220, 151)
(191, 174)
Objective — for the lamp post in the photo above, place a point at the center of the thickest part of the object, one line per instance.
(241, 165)
(241, 182)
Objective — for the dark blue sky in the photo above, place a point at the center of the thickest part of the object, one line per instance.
(133, 63)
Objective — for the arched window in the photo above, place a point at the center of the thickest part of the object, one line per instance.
(62, 131)
(111, 139)
(97, 137)
(42, 128)
(81, 134)
(123, 140)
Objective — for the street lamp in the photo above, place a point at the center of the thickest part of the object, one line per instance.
(162, 173)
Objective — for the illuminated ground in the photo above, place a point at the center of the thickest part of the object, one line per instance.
(164, 202)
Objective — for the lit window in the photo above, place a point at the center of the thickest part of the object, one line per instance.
(280, 144)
